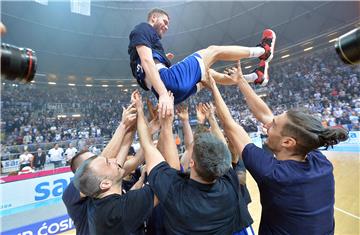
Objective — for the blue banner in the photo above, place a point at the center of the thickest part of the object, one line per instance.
(51, 226)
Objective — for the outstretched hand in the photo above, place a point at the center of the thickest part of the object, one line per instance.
(234, 73)
(166, 105)
(136, 100)
(182, 112)
(129, 116)
(200, 114)
(168, 119)
(208, 109)
(208, 80)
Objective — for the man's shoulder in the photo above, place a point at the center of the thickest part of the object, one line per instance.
(230, 177)
(142, 27)
(163, 167)
(319, 157)
(108, 201)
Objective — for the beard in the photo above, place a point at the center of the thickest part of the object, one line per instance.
(157, 28)
(266, 145)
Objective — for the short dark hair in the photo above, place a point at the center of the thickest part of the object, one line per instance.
(211, 156)
(75, 162)
(86, 181)
(309, 133)
(156, 11)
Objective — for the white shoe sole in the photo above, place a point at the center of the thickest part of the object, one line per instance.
(272, 49)
(266, 74)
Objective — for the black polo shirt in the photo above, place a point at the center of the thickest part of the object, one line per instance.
(122, 214)
(191, 207)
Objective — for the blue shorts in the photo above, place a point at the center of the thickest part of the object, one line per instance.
(182, 77)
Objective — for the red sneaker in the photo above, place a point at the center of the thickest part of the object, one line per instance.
(262, 73)
(268, 43)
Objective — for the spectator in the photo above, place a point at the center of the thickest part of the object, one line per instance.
(70, 152)
(26, 159)
(39, 159)
(56, 156)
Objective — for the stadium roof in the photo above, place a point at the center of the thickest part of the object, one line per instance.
(76, 48)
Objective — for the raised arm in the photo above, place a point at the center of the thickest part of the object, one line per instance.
(233, 131)
(128, 119)
(166, 105)
(152, 155)
(131, 164)
(166, 144)
(183, 114)
(257, 106)
(200, 114)
(125, 146)
(209, 110)
(140, 182)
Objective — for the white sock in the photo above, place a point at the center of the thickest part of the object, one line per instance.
(250, 77)
(256, 51)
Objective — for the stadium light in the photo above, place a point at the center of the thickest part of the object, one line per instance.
(71, 84)
(82, 7)
(42, 2)
(61, 116)
(133, 85)
(32, 81)
(52, 83)
(120, 85)
(104, 85)
(308, 49)
(89, 85)
(285, 56)
(76, 115)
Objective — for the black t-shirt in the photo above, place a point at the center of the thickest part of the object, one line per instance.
(155, 223)
(194, 208)
(122, 214)
(145, 34)
(77, 208)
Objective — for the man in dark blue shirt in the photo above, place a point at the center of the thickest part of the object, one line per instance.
(76, 203)
(152, 67)
(297, 185)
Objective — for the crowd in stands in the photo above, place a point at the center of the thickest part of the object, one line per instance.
(29, 113)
